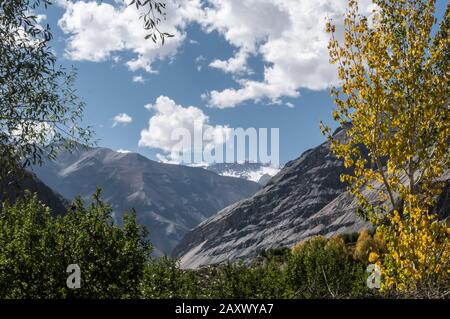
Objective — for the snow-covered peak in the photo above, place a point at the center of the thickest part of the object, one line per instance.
(255, 172)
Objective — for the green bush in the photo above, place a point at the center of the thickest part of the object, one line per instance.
(164, 279)
(36, 248)
(321, 268)
(350, 238)
(248, 282)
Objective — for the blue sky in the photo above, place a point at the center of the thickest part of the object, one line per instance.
(281, 81)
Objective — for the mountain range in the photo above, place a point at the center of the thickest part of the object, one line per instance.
(169, 199)
(210, 214)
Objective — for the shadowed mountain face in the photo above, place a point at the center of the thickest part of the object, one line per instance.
(280, 214)
(169, 199)
(15, 188)
(304, 199)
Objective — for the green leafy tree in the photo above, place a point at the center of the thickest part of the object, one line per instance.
(28, 253)
(321, 268)
(36, 249)
(164, 279)
(38, 104)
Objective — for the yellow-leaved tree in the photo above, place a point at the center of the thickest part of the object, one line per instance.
(393, 100)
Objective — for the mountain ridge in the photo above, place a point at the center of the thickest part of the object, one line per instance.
(169, 199)
(276, 215)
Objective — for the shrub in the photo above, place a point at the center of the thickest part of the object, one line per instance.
(36, 248)
(164, 279)
(321, 268)
(367, 244)
(350, 239)
(266, 280)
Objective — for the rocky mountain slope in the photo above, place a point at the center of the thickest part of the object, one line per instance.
(304, 199)
(169, 199)
(286, 210)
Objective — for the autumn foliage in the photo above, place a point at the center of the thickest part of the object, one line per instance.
(393, 100)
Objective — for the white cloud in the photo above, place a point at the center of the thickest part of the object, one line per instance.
(99, 30)
(200, 58)
(244, 23)
(116, 59)
(290, 105)
(234, 65)
(40, 18)
(23, 37)
(288, 34)
(170, 118)
(31, 132)
(122, 118)
(138, 79)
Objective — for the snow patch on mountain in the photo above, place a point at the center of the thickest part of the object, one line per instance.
(256, 172)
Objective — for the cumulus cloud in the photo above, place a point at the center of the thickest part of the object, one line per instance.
(234, 65)
(290, 105)
(138, 79)
(288, 34)
(171, 121)
(122, 118)
(99, 30)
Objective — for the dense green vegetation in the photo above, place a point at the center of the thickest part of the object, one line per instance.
(116, 262)
(36, 249)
